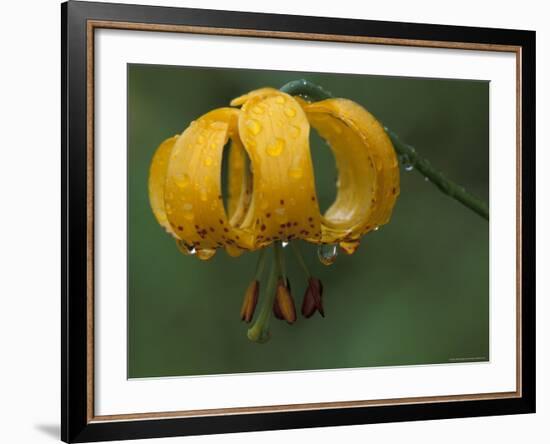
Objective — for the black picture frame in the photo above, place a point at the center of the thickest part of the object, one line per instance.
(76, 326)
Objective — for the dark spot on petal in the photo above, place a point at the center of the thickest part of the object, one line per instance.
(262, 228)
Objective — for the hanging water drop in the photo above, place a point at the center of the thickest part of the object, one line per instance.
(205, 254)
(406, 162)
(185, 249)
(284, 244)
(327, 254)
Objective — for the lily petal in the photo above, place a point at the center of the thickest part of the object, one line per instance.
(275, 133)
(367, 165)
(157, 178)
(193, 199)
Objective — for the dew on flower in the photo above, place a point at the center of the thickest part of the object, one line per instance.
(276, 148)
(290, 112)
(327, 254)
(254, 126)
(205, 254)
(295, 172)
(294, 131)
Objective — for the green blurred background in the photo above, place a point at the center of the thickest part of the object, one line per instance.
(416, 292)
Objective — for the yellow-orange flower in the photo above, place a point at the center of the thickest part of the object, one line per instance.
(271, 185)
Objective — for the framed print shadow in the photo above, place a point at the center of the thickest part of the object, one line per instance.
(275, 221)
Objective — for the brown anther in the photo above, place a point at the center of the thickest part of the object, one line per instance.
(283, 306)
(313, 298)
(250, 300)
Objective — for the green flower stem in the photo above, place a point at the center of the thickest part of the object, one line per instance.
(445, 185)
(312, 92)
(280, 257)
(260, 265)
(259, 332)
(300, 259)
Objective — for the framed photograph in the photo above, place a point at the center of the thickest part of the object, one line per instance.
(276, 221)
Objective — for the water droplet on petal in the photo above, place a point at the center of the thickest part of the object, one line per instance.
(295, 172)
(284, 244)
(182, 181)
(327, 254)
(294, 131)
(290, 112)
(208, 161)
(276, 148)
(187, 206)
(257, 110)
(206, 253)
(280, 100)
(254, 126)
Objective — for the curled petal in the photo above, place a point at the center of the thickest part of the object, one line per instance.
(157, 178)
(239, 183)
(367, 166)
(260, 92)
(275, 132)
(193, 196)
